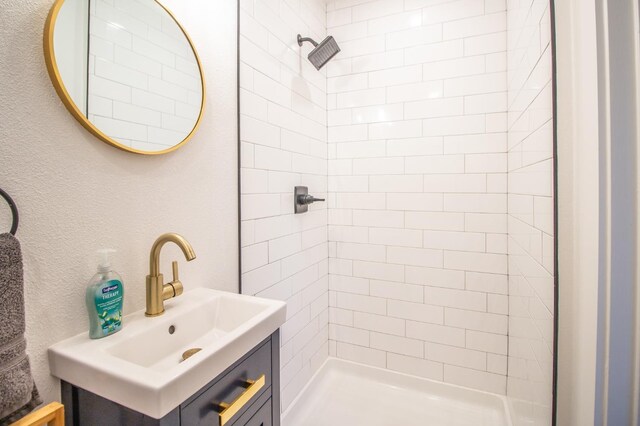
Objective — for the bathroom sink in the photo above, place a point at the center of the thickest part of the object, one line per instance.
(142, 366)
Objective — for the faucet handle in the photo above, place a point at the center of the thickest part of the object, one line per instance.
(174, 266)
(176, 284)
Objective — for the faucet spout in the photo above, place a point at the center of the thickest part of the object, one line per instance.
(154, 258)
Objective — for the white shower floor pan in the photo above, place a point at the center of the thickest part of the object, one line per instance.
(344, 393)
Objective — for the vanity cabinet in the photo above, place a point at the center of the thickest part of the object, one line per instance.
(250, 389)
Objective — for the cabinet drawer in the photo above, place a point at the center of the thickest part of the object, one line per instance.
(262, 417)
(205, 410)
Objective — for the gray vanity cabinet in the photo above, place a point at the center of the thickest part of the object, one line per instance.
(83, 408)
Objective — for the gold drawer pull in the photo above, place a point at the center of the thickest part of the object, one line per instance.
(229, 410)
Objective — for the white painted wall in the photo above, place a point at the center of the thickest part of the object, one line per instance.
(144, 81)
(418, 188)
(76, 194)
(531, 211)
(284, 144)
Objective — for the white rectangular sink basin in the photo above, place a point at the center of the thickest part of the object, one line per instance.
(141, 366)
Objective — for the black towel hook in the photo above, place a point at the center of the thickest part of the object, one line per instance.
(14, 211)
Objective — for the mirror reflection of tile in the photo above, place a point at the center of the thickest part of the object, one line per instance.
(140, 83)
(144, 85)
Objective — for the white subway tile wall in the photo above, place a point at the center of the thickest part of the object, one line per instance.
(530, 207)
(417, 118)
(431, 136)
(283, 135)
(144, 81)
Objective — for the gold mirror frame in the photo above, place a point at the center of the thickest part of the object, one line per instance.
(56, 79)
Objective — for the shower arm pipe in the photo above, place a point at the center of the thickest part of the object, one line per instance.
(303, 39)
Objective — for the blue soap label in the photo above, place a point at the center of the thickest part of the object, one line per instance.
(108, 300)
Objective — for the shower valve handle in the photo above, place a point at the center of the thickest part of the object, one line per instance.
(302, 199)
(307, 199)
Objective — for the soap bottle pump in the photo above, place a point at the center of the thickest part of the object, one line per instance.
(104, 298)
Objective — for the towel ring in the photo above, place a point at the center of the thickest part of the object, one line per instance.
(14, 211)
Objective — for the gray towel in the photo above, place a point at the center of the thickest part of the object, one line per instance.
(18, 392)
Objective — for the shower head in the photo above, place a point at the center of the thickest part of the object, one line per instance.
(323, 52)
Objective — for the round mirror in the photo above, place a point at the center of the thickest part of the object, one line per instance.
(127, 71)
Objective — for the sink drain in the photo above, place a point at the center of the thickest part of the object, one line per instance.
(189, 353)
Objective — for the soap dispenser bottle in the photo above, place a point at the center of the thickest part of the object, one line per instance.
(104, 298)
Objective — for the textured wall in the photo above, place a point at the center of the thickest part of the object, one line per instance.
(531, 233)
(284, 144)
(77, 194)
(417, 177)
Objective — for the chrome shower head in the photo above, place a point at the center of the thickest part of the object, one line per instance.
(323, 52)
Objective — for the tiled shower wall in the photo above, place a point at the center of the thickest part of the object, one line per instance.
(439, 164)
(283, 144)
(531, 222)
(417, 120)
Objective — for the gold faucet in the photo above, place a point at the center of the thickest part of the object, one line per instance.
(157, 291)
